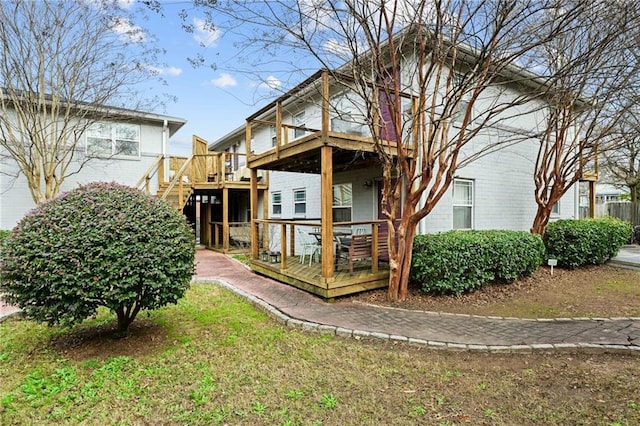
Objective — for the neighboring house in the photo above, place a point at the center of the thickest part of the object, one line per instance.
(121, 148)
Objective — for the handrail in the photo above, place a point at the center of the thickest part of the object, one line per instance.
(177, 179)
(146, 177)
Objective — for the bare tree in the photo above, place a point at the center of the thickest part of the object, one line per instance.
(431, 77)
(621, 166)
(588, 66)
(62, 64)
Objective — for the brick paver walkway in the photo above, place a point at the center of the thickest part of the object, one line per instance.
(440, 330)
(301, 309)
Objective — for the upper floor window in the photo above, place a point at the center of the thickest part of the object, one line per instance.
(462, 204)
(107, 139)
(300, 202)
(342, 202)
(272, 133)
(276, 203)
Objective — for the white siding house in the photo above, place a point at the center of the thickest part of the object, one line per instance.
(121, 148)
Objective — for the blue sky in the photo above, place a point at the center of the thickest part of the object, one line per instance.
(214, 102)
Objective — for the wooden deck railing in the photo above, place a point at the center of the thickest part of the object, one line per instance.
(279, 237)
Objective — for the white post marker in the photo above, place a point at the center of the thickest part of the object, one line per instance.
(552, 263)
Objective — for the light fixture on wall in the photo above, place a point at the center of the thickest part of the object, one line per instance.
(367, 183)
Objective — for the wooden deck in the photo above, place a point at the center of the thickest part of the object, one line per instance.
(309, 278)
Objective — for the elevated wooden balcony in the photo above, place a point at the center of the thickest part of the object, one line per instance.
(203, 170)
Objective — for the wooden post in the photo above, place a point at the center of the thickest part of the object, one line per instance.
(253, 192)
(374, 247)
(225, 219)
(283, 246)
(326, 210)
(592, 199)
(292, 240)
(325, 105)
(205, 223)
(247, 139)
(278, 128)
(160, 173)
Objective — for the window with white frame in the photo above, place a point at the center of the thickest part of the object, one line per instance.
(299, 120)
(462, 204)
(276, 203)
(272, 133)
(299, 202)
(342, 202)
(107, 139)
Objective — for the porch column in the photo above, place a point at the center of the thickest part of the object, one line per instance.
(205, 222)
(254, 213)
(225, 219)
(326, 210)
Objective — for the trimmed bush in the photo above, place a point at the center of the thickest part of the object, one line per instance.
(456, 262)
(585, 241)
(102, 244)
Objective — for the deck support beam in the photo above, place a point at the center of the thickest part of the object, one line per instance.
(254, 213)
(326, 211)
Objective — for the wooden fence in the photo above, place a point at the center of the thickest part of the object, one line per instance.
(625, 211)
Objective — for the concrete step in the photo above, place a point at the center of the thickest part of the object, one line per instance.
(626, 264)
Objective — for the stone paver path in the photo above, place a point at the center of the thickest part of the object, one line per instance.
(440, 330)
(429, 328)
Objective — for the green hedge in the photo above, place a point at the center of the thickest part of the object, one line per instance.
(456, 262)
(4, 233)
(586, 241)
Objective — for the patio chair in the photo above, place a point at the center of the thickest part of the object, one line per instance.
(308, 244)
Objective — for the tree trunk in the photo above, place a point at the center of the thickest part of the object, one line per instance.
(126, 315)
(400, 266)
(541, 220)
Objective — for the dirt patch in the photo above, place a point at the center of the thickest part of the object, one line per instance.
(592, 291)
(97, 342)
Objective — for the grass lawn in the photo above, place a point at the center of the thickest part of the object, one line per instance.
(214, 359)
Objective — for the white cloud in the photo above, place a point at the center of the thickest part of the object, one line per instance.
(126, 4)
(225, 80)
(172, 71)
(125, 29)
(204, 33)
(271, 83)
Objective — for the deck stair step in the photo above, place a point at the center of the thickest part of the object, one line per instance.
(173, 197)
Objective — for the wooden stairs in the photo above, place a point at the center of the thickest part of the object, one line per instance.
(172, 196)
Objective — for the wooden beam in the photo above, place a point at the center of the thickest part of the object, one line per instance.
(225, 219)
(247, 138)
(283, 247)
(326, 210)
(325, 105)
(278, 127)
(253, 197)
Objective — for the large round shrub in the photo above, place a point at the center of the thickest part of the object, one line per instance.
(577, 242)
(102, 244)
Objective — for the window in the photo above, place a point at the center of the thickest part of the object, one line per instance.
(299, 202)
(299, 121)
(272, 132)
(462, 204)
(106, 139)
(276, 203)
(460, 84)
(342, 202)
